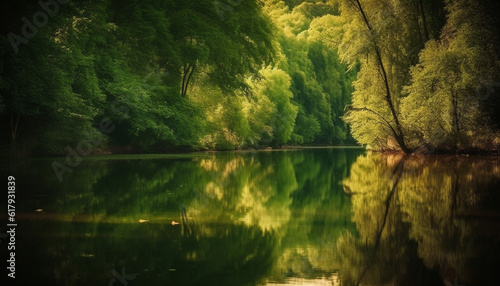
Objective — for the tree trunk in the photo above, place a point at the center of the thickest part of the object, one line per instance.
(455, 119)
(186, 77)
(398, 131)
(424, 21)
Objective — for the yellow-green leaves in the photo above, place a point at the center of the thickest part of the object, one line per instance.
(443, 106)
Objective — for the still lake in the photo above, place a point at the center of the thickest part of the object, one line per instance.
(326, 216)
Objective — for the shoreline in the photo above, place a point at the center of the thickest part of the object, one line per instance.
(176, 152)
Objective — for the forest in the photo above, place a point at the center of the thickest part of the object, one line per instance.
(112, 76)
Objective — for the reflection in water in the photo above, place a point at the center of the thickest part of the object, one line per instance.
(441, 221)
(311, 217)
(244, 218)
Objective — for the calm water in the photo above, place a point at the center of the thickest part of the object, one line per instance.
(294, 217)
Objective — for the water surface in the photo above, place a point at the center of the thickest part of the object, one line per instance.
(291, 217)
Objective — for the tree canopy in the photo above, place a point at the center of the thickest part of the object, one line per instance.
(421, 71)
(154, 75)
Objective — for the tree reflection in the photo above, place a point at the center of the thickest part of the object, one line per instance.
(320, 212)
(244, 218)
(443, 214)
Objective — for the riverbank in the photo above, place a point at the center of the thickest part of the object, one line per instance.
(9, 157)
(429, 150)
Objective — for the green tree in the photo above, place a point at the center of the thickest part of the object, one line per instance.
(50, 88)
(129, 61)
(451, 85)
(384, 38)
(320, 85)
(276, 86)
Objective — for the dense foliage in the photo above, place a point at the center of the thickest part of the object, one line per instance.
(433, 206)
(428, 73)
(138, 75)
(99, 76)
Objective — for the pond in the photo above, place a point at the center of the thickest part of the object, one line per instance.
(321, 216)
